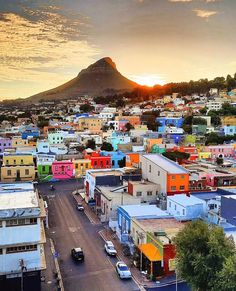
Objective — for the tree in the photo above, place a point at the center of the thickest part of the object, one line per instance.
(106, 146)
(187, 123)
(86, 108)
(202, 251)
(128, 126)
(199, 120)
(203, 111)
(219, 161)
(80, 148)
(91, 144)
(176, 156)
(122, 163)
(226, 278)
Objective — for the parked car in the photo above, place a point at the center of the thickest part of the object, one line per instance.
(80, 207)
(77, 254)
(110, 249)
(123, 270)
(126, 250)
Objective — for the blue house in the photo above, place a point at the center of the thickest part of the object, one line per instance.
(30, 132)
(168, 121)
(116, 157)
(127, 212)
(229, 129)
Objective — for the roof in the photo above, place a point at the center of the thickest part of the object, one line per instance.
(144, 211)
(185, 200)
(166, 164)
(17, 200)
(16, 187)
(151, 252)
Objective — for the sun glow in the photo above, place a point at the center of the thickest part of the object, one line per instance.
(148, 80)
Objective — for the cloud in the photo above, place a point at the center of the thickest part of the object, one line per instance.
(42, 45)
(205, 13)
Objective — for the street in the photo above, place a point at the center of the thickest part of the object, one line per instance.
(70, 228)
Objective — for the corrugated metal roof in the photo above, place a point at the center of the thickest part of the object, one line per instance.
(166, 164)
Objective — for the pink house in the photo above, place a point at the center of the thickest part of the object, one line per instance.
(63, 170)
(221, 151)
(122, 124)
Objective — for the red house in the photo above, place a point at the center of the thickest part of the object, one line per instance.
(98, 161)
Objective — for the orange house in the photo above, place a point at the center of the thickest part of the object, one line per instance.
(132, 159)
(177, 183)
(150, 142)
(133, 120)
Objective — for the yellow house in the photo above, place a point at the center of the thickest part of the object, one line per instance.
(81, 166)
(17, 167)
(204, 155)
(228, 120)
(17, 141)
(93, 124)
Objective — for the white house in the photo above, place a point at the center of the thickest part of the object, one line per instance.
(22, 235)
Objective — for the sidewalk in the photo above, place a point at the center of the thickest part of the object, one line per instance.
(50, 282)
(87, 210)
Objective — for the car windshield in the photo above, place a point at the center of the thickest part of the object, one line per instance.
(111, 248)
(123, 268)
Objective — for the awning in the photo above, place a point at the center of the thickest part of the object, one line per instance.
(151, 252)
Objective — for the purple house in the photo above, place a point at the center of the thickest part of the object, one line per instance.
(5, 143)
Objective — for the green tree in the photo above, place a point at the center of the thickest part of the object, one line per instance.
(203, 111)
(201, 252)
(128, 126)
(176, 156)
(199, 120)
(86, 108)
(106, 146)
(226, 277)
(219, 161)
(187, 123)
(91, 144)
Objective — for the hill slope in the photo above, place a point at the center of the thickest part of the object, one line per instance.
(100, 78)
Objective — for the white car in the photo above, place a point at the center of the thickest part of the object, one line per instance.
(123, 271)
(110, 249)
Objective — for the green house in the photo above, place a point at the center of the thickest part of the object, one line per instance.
(157, 150)
(44, 172)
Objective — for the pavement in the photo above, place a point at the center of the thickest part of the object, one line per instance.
(70, 228)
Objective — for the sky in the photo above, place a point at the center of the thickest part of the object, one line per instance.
(44, 43)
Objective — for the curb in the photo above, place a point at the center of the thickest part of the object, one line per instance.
(120, 259)
(59, 277)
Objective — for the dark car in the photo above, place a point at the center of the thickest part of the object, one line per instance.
(77, 254)
(80, 207)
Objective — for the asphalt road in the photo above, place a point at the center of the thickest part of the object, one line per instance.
(70, 228)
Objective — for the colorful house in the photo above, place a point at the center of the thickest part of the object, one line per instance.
(91, 123)
(221, 151)
(44, 166)
(5, 143)
(191, 150)
(150, 142)
(81, 166)
(55, 137)
(62, 170)
(17, 167)
(132, 119)
(172, 178)
(18, 141)
(98, 161)
(163, 122)
(132, 160)
(117, 138)
(117, 158)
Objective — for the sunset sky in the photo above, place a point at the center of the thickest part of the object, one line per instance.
(44, 43)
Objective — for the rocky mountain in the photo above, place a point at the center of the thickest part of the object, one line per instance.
(100, 78)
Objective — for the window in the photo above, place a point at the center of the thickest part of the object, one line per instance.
(7, 162)
(149, 193)
(21, 161)
(26, 172)
(175, 207)
(181, 187)
(0, 251)
(21, 221)
(8, 172)
(76, 166)
(183, 211)
(169, 204)
(43, 168)
(19, 249)
(14, 162)
(173, 188)
(150, 168)
(182, 177)
(158, 173)
(139, 193)
(173, 177)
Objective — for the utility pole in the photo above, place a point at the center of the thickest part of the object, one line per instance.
(22, 268)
